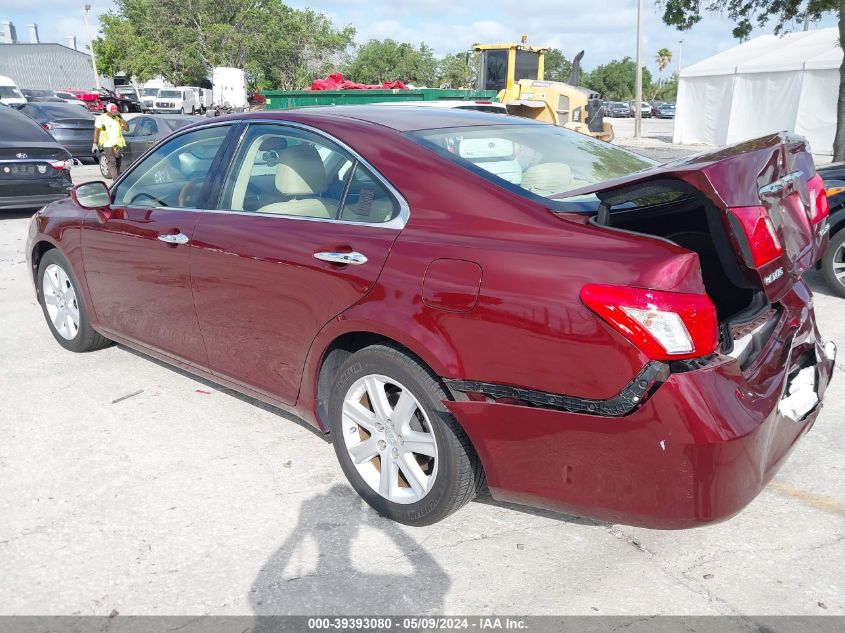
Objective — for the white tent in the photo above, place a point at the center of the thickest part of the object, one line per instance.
(765, 85)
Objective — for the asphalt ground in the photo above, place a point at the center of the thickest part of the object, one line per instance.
(129, 486)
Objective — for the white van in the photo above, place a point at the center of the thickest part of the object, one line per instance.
(9, 93)
(175, 101)
(206, 99)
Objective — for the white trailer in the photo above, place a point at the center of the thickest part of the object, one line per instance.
(229, 88)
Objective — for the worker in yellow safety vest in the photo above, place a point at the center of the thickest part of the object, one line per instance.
(108, 138)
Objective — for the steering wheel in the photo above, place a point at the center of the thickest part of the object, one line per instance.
(185, 192)
(135, 198)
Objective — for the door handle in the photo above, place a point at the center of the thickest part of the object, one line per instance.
(342, 258)
(169, 238)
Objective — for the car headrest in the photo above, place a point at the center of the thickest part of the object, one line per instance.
(547, 178)
(300, 172)
(277, 143)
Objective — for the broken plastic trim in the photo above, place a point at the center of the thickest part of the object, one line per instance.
(632, 395)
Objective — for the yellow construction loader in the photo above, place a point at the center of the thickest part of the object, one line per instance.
(516, 72)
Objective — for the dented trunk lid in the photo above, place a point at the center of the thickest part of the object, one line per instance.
(770, 172)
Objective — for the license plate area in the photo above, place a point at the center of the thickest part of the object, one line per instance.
(24, 170)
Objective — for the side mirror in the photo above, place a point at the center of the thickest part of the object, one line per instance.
(91, 195)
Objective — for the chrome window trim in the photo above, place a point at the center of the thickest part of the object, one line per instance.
(397, 223)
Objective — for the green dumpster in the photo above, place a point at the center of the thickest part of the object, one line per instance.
(285, 99)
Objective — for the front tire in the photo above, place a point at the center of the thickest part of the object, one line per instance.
(833, 263)
(61, 303)
(398, 446)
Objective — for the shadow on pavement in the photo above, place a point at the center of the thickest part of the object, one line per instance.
(289, 417)
(313, 572)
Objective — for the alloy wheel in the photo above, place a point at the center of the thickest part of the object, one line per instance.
(60, 301)
(389, 439)
(839, 264)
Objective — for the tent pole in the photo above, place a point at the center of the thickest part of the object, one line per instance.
(638, 96)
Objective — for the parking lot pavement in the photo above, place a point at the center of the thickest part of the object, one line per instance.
(186, 498)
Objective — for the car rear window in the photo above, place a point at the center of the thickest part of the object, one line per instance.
(64, 111)
(536, 161)
(17, 127)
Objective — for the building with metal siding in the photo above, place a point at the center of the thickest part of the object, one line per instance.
(46, 66)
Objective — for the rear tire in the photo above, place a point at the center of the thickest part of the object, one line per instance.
(375, 443)
(104, 166)
(833, 263)
(62, 305)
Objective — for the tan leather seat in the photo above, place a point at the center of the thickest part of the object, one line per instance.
(547, 178)
(300, 175)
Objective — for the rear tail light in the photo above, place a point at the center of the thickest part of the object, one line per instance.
(61, 164)
(663, 325)
(762, 237)
(47, 126)
(819, 207)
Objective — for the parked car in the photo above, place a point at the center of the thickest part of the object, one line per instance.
(664, 111)
(69, 97)
(145, 131)
(34, 168)
(833, 262)
(617, 109)
(175, 101)
(597, 334)
(69, 124)
(9, 93)
(645, 109)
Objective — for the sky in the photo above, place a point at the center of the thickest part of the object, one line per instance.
(606, 30)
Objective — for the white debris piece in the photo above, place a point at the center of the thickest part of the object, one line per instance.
(802, 396)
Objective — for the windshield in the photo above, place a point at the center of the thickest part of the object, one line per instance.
(149, 92)
(170, 94)
(536, 161)
(9, 92)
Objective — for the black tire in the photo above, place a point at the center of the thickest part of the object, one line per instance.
(835, 255)
(459, 474)
(181, 110)
(86, 339)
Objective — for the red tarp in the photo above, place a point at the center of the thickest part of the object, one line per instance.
(337, 82)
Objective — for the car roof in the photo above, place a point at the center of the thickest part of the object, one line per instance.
(400, 118)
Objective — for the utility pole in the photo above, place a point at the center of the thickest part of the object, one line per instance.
(638, 96)
(91, 47)
(680, 56)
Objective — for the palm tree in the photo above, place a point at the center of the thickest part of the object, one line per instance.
(662, 59)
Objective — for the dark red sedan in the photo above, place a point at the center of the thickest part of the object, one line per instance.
(457, 295)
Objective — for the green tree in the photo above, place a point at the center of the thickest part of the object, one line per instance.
(684, 14)
(557, 67)
(616, 80)
(389, 60)
(456, 71)
(662, 58)
(278, 46)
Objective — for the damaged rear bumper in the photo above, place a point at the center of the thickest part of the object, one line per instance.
(697, 451)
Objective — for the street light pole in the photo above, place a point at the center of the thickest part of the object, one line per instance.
(638, 96)
(680, 56)
(91, 47)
